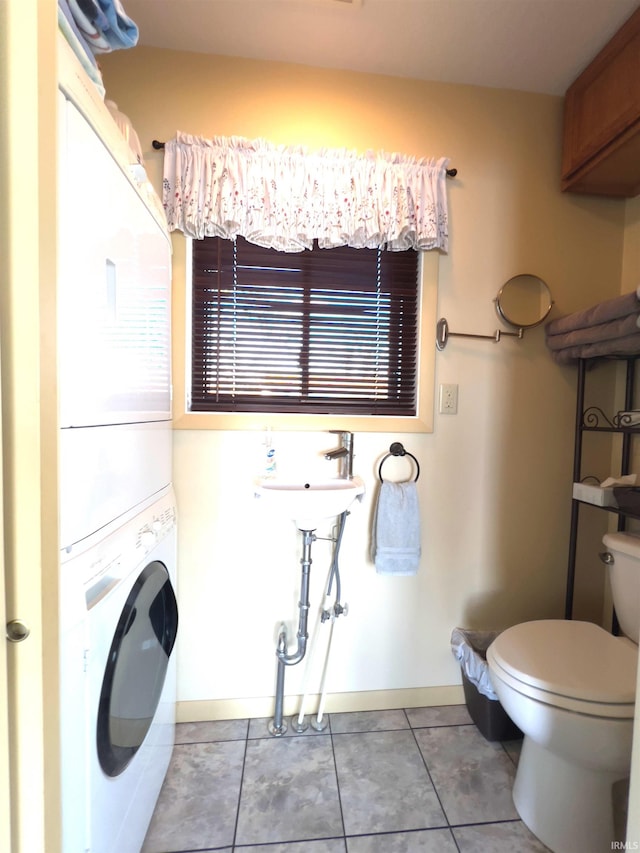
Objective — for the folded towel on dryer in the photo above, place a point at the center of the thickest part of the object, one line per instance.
(104, 24)
(69, 28)
(395, 546)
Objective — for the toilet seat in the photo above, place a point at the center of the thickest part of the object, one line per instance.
(573, 665)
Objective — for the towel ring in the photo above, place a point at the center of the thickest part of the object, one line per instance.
(397, 449)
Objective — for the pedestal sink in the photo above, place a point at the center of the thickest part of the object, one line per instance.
(307, 502)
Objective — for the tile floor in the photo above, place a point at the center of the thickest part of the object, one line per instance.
(419, 780)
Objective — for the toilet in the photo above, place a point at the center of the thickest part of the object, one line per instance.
(570, 687)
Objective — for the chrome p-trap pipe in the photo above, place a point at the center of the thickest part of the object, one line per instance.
(277, 726)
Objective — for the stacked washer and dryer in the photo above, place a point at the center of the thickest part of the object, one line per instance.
(118, 612)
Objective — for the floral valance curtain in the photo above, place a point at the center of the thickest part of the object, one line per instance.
(285, 198)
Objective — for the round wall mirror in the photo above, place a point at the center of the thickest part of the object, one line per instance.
(524, 301)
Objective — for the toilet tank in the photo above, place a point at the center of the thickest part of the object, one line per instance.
(624, 574)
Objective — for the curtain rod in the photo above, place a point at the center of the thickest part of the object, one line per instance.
(451, 173)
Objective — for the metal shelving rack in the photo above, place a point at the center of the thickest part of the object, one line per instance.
(593, 419)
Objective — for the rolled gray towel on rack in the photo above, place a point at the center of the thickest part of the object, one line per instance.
(626, 347)
(395, 544)
(608, 329)
(611, 331)
(603, 312)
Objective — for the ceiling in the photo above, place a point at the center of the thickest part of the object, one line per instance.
(530, 45)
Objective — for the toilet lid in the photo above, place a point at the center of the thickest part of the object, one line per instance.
(575, 659)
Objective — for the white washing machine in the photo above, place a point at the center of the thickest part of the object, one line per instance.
(119, 626)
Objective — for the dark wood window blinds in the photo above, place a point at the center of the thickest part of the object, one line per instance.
(328, 331)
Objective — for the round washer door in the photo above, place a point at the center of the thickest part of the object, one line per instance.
(136, 668)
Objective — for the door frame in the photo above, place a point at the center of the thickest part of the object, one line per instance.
(28, 236)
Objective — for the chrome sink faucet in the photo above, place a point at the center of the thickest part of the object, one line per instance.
(344, 453)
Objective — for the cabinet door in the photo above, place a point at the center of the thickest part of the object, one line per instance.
(602, 118)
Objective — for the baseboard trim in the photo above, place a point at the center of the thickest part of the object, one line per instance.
(368, 700)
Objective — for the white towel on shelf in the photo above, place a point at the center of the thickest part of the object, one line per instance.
(395, 547)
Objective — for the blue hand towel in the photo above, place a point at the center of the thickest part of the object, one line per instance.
(104, 24)
(396, 530)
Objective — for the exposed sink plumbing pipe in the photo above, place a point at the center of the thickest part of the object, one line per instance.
(329, 613)
(318, 721)
(277, 726)
(298, 723)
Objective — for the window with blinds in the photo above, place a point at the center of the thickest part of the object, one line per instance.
(328, 331)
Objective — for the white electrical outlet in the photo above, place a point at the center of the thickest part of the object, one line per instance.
(448, 399)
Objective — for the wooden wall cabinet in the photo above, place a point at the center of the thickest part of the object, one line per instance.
(601, 150)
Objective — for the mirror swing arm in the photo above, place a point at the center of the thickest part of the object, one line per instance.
(523, 289)
(443, 334)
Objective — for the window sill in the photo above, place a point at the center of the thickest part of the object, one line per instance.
(297, 423)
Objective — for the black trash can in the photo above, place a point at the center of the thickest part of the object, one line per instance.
(470, 650)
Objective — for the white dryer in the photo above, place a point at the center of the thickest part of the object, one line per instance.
(114, 310)
(119, 625)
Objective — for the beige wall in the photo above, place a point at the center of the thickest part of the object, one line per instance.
(631, 257)
(496, 478)
(631, 279)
